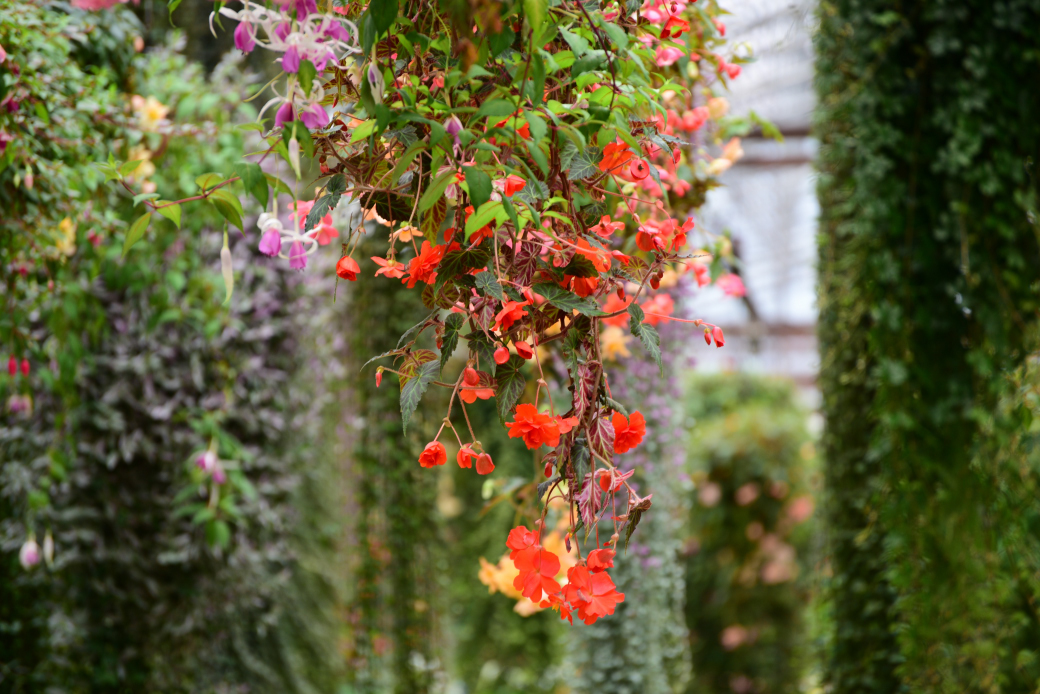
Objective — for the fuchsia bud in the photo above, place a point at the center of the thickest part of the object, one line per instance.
(25, 367)
(207, 461)
(29, 554)
(12, 366)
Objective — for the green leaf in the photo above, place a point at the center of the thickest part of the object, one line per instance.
(364, 130)
(415, 388)
(228, 206)
(577, 42)
(485, 350)
(565, 300)
(334, 189)
(536, 12)
(436, 190)
(136, 232)
(538, 78)
(140, 197)
(654, 174)
(383, 12)
(129, 167)
(405, 160)
(533, 192)
(172, 213)
(487, 213)
(307, 74)
(41, 112)
(459, 262)
(511, 383)
(208, 180)
(633, 520)
(617, 407)
(253, 181)
(479, 184)
(646, 334)
(278, 184)
(450, 340)
(496, 108)
(538, 127)
(218, 534)
(585, 163)
(488, 285)
(616, 34)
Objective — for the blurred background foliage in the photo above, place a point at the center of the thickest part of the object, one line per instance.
(749, 550)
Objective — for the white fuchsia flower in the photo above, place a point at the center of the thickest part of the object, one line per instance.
(29, 554)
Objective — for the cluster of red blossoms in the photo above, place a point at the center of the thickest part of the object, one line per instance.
(589, 591)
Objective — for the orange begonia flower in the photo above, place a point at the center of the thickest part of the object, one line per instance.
(534, 428)
(628, 433)
(433, 455)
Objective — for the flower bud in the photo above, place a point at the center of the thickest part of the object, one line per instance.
(501, 355)
(484, 464)
(524, 350)
(12, 366)
(48, 548)
(548, 469)
(379, 376)
(720, 340)
(25, 367)
(206, 461)
(29, 554)
(470, 376)
(707, 336)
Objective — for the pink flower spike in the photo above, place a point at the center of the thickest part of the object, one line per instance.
(297, 256)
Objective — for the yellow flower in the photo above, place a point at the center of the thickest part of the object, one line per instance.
(146, 168)
(66, 244)
(718, 107)
(149, 112)
(613, 343)
(732, 150)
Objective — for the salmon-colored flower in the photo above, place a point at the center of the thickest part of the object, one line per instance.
(390, 268)
(433, 455)
(606, 227)
(484, 464)
(593, 594)
(628, 433)
(674, 27)
(501, 355)
(534, 428)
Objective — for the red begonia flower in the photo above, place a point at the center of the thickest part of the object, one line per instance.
(514, 184)
(628, 433)
(484, 464)
(534, 428)
(347, 268)
(466, 456)
(433, 455)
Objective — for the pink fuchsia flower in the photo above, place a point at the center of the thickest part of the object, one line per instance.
(668, 55)
(244, 37)
(206, 461)
(271, 242)
(731, 285)
(291, 59)
(219, 476)
(303, 7)
(3, 54)
(4, 139)
(315, 117)
(453, 126)
(29, 554)
(95, 5)
(285, 114)
(297, 256)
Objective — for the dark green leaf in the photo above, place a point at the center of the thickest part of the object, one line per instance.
(565, 300)
(633, 520)
(418, 326)
(436, 190)
(334, 189)
(580, 266)
(534, 191)
(452, 325)
(415, 388)
(511, 385)
(479, 343)
(501, 41)
(585, 163)
(617, 407)
(461, 261)
(646, 334)
(383, 12)
(496, 108)
(489, 286)
(228, 206)
(479, 185)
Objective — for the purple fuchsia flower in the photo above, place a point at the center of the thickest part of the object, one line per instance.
(315, 117)
(303, 7)
(271, 243)
(453, 126)
(219, 476)
(297, 256)
(282, 31)
(291, 59)
(285, 114)
(245, 40)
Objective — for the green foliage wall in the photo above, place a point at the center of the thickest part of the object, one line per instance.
(135, 367)
(929, 262)
(749, 550)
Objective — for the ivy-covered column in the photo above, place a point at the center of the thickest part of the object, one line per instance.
(396, 530)
(928, 268)
(643, 650)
